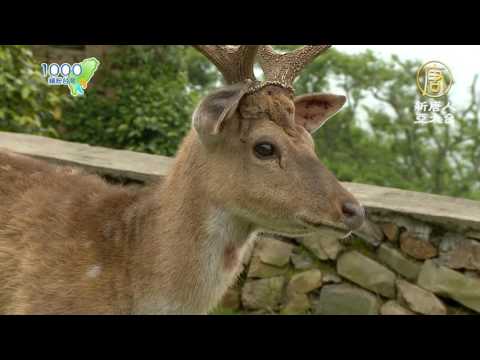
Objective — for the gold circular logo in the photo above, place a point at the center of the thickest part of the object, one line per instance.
(434, 79)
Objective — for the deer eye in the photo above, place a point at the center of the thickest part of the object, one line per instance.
(264, 150)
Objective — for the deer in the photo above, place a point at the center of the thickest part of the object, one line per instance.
(72, 243)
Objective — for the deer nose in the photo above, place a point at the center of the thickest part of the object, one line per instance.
(353, 215)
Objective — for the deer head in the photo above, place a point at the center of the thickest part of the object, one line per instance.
(262, 163)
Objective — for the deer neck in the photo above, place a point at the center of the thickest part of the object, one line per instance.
(192, 249)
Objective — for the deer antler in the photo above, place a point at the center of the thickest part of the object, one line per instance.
(234, 62)
(282, 69)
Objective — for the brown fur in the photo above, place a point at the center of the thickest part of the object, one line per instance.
(72, 244)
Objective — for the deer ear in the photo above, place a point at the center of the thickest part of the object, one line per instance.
(215, 109)
(313, 110)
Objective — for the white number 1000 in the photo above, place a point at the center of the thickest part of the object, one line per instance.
(65, 69)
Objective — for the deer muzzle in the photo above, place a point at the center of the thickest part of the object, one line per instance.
(353, 215)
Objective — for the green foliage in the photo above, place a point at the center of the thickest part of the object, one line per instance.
(27, 103)
(144, 102)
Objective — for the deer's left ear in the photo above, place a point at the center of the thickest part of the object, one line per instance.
(313, 110)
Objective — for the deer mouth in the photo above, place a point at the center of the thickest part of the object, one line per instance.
(318, 224)
(297, 229)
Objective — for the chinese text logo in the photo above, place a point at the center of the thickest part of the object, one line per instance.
(76, 76)
(434, 80)
(433, 111)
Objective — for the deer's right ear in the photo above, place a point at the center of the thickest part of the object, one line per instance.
(211, 114)
(313, 110)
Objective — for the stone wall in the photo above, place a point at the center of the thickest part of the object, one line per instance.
(416, 268)
(417, 254)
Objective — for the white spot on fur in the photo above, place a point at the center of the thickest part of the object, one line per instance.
(6, 167)
(94, 271)
(64, 170)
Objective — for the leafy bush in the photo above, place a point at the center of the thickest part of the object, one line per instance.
(144, 102)
(27, 103)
